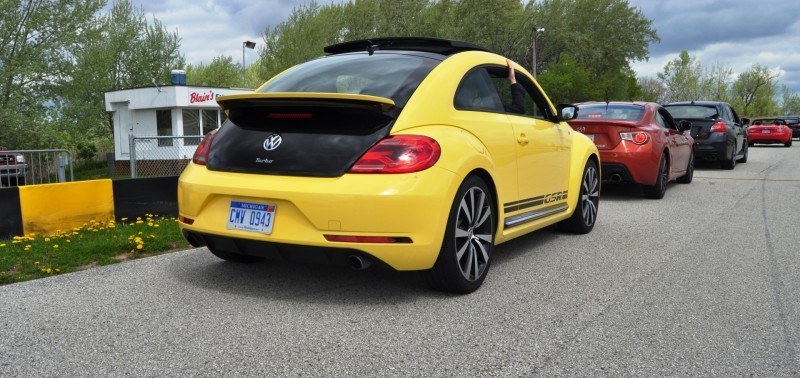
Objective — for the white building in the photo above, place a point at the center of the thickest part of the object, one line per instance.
(165, 111)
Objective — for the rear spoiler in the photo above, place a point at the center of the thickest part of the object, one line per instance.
(226, 101)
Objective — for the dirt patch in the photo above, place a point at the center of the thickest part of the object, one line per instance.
(122, 256)
(90, 265)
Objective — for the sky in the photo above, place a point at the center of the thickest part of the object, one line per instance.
(734, 32)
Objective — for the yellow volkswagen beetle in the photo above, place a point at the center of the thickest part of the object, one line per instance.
(406, 153)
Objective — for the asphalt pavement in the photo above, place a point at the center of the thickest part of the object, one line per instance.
(704, 282)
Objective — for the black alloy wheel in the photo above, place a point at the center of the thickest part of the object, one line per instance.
(584, 217)
(657, 191)
(468, 244)
(731, 162)
(746, 149)
(689, 175)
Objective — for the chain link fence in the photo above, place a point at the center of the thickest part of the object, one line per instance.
(156, 156)
(30, 167)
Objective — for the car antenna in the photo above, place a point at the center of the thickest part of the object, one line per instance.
(371, 47)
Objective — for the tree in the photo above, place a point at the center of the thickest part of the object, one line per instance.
(754, 91)
(716, 82)
(683, 78)
(124, 50)
(790, 104)
(652, 90)
(221, 72)
(568, 82)
(35, 61)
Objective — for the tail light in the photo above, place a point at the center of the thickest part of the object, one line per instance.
(399, 154)
(201, 154)
(637, 137)
(719, 127)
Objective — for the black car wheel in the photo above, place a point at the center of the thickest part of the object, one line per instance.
(746, 149)
(468, 244)
(657, 191)
(585, 215)
(789, 143)
(731, 162)
(687, 178)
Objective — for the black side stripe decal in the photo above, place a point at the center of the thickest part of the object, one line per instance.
(534, 201)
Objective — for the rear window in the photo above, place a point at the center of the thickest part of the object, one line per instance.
(394, 76)
(693, 111)
(611, 111)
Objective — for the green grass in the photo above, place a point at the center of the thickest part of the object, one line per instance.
(93, 170)
(32, 256)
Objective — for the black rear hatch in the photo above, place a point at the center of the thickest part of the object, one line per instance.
(307, 134)
(701, 116)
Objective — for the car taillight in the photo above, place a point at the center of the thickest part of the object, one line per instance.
(719, 127)
(399, 154)
(637, 137)
(201, 154)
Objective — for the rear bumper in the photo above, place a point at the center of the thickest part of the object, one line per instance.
(715, 147)
(636, 164)
(404, 205)
(770, 138)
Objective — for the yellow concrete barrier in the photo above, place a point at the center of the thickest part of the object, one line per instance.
(53, 207)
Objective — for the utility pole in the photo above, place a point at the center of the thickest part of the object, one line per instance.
(250, 45)
(536, 32)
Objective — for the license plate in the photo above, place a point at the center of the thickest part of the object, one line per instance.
(764, 131)
(253, 217)
(591, 136)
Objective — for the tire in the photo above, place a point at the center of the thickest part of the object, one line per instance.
(657, 191)
(750, 144)
(746, 149)
(730, 163)
(689, 175)
(468, 244)
(234, 257)
(789, 143)
(585, 215)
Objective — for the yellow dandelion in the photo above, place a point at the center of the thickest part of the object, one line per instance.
(46, 240)
(16, 241)
(139, 222)
(55, 246)
(28, 246)
(70, 241)
(150, 224)
(48, 270)
(139, 246)
(138, 218)
(139, 232)
(58, 270)
(124, 219)
(2, 245)
(74, 233)
(155, 225)
(36, 263)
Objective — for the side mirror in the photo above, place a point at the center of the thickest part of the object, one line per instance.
(567, 112)
(684, 125)
(746, 121)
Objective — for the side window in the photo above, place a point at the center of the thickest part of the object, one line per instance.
(726, 113)
(534, 102)
(476, 92)
(665, 120)
(735, 116)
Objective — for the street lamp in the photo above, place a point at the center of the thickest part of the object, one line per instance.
(536, 32)
(250, 45)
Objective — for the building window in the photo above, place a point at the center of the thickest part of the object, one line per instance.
(164, 127)
(191, 126)
(209, 120)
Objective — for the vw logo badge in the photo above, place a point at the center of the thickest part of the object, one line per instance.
(272, 142)
(581, 129)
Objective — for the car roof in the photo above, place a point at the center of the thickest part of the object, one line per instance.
(421, 44)
(700, 103)
(636, 103)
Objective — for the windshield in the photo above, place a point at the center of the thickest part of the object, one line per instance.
(692, 111)
(611, 111)
(387, 75)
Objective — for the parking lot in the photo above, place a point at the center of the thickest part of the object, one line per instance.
(703, 282)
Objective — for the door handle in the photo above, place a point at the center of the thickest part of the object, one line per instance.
(522, 139)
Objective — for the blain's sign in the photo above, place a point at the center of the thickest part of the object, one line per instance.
(196, 97)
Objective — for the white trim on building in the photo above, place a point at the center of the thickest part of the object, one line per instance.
(164, 111)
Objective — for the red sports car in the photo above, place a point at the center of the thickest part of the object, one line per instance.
(639, 143)
(769, 131)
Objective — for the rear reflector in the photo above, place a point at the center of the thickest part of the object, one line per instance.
(367, 239)
(183, 219)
